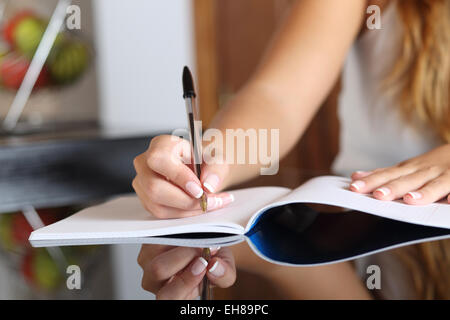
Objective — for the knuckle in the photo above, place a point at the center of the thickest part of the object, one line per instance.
(135, 162)
(394, 185)
(133, 184)
(177, 175)
(378, 170)
(155, 158)
(156, 269)
(152, 189)
(436, 182)
(405, 163)
(432, 169)
(154, 141)
(140, 259)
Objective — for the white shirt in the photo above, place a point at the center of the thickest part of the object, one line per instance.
(374, 133)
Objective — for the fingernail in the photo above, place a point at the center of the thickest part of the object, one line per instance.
(199, 266)
(217, 269)
(384, 191)
(194, 189)
(214, 249)
(415, 195)
(211, 182)
(358, 185)
(228, 199)
(212, 203)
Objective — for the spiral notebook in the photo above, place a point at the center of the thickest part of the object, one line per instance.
(281, 225)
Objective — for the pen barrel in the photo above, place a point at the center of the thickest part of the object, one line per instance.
(206, 287)
(195, 129)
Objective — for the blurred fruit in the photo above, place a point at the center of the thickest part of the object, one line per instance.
(27, 268)
(13, 69)
(21, 229)
(68, 62)
(28, 34)
(9, 27)
(46, 274)
(6, 236)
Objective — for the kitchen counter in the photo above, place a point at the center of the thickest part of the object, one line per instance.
(70, 167)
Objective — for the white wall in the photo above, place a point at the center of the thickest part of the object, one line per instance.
(142, 46)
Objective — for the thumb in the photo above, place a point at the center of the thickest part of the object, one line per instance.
(213, 176)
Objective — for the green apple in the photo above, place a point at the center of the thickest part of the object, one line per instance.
(28, 34)
(68, 62)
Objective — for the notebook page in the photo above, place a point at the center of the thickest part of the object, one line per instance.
(126, 218)
(332, 190)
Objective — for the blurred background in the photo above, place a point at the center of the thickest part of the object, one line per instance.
(104, 91)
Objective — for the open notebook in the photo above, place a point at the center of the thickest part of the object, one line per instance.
(278, 224)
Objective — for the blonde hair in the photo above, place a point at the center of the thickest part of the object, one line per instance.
(421, 77)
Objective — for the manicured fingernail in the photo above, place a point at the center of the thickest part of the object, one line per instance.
(212, 203)
(415, 195)
(358, 185)
(217, 269)
(194, 189)
(199, 265)
(211, 182)
(228, 199)
(384, 191)
(214, 250)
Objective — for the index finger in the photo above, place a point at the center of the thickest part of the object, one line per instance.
(149, 251)
(168, 161)
(222, 269)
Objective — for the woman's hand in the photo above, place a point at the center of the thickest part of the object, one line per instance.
(421, 180)
(168, 188)
(177, 272)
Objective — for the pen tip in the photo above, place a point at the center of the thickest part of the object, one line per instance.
(188, 84)
(204, 202)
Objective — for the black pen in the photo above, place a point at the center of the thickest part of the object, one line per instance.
(194, 131)
(196, 155)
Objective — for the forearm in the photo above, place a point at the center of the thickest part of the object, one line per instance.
(295, 75)
(255, 107)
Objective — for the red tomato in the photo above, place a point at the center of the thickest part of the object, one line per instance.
(13, 69)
